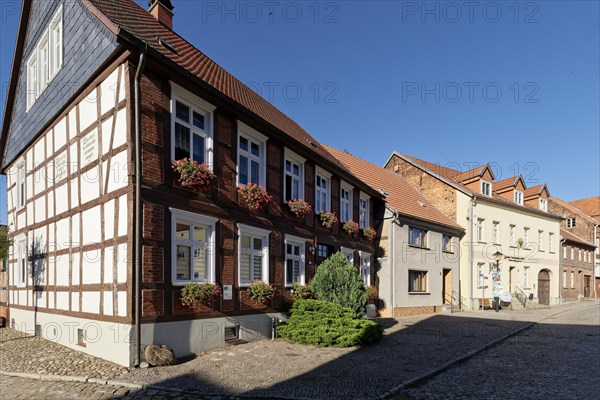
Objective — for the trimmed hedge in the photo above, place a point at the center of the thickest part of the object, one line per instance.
(326, 324)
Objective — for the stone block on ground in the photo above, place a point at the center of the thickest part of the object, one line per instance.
(159, 355)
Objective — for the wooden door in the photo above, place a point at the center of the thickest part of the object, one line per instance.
(544, 287)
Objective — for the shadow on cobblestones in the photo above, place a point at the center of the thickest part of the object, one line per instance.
(282, 369)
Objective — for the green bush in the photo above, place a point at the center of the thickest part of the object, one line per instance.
(301, 292)
(339, 282)
(327, 324)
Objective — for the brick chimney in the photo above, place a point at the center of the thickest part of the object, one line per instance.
(162, 10)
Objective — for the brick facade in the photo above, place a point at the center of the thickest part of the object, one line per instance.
(160, 193)
(440, 194)
(578, 271)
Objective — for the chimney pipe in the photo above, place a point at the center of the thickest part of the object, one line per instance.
(162, 10)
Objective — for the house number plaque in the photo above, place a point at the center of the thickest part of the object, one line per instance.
(227, 292)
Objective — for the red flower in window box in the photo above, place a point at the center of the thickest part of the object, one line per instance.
(254, 197)
(193, 175)
(369, 233)
(351, 227)
(328, 218)
(194, 294)
(260, 291)
(300, 207)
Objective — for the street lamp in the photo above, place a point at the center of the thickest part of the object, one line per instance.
(498, 256)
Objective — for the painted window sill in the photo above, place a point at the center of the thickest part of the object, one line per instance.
(419, 247)
(419, 293)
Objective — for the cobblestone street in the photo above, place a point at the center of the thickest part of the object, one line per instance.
(552, 359)
(556, 359)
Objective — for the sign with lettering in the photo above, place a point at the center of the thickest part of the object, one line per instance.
(227, 292)
(60, 167)
(89, 148)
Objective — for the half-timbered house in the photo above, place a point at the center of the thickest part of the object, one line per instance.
(104, 97)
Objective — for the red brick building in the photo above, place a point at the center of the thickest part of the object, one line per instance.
(577, 267)
(105, 241)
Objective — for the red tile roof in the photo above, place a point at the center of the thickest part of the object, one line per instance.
(590, 206)
(472, 173)
(400, 195)
(534, 190)
(130, 17)
(504, 183)
(574, 238)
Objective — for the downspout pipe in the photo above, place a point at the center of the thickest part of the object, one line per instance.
(560, 270)
(138, 205)
(595, 260)
(472, 252)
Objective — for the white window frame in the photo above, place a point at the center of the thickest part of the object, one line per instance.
(322, 175)
(301, 258)
(512, 240)
(365, 267)
(525, 237)
(349, 253)
(426, 274)
(39, 76)
(551, 242)
(572, 279)
(252, 135)
(572, 253)
(193, 219)
(350, 189)
(579, 254)
(254, 232)
(565, 252)
(564, 279)
(32, 79)
(544, 204)
(200, 106)
(486, 184)
(424, 243)
(480, 229)
(20, 271)
(21, 184)
(495, 232)
(56, 43)
(363, 212)
(540, 240)
(526, 278)
(293, 158)
(518, 197)
(571, 222)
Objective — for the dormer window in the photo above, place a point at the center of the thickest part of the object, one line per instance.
(544, 205)
(486, 188)
(518, 197)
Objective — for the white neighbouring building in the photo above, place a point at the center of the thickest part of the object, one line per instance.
(498, 217)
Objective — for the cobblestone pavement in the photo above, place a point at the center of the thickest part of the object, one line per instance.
(410, 348)
(23, 353)
(556, 359)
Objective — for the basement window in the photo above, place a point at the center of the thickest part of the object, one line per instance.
(231, 332)
(81, 337)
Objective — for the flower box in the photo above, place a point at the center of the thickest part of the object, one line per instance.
(193, 175)
(254, 197)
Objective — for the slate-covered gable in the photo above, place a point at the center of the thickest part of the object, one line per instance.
(87, 44)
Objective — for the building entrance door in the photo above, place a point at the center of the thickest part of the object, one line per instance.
(586, 285)
(544, 287)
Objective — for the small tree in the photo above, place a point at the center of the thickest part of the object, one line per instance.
(4, 242)
(338, 281)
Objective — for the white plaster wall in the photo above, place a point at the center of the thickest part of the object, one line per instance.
(73, 124)
(109, 219)
(90, 225)
(107, 303)
(107, 340)
(62, 300)
(117, 171)
(62, 270)
(108, 263)
(90, 302)
(534, 259)
(62, 203)
(194, 336)
(122, 303)
(88, 111)
(122, 265)
(75, 301)
(123, 216)
(90, 189)
(91, 267)
(60, 134)
(76, 279)
(40, 209)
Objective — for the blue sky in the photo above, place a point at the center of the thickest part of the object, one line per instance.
(458, 83)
